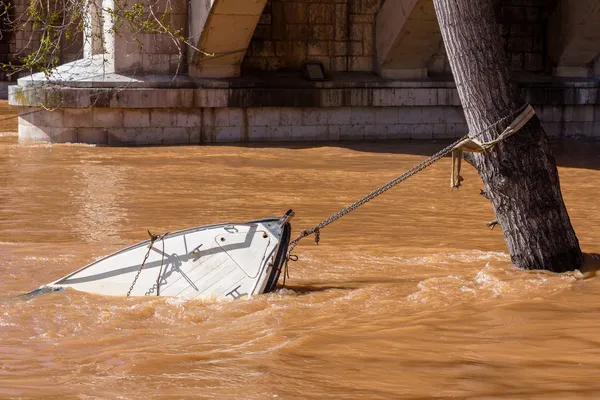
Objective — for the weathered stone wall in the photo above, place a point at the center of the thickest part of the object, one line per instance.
(24, 40)
(524, 32)
(126, 47)
(217, 115)
(18, 43)
(4, 37)
(357, 106)
(71, 49)
(256, 124)
(4, 52)
(338, 33)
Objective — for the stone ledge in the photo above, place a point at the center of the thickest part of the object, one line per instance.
(61, 97)
(92, 73)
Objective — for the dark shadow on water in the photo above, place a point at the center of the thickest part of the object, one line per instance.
(346, 285)
(591, 265)
(577, 153)
(306, 289)
(570, 153)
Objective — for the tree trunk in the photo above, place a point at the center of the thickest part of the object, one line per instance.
(519, 174)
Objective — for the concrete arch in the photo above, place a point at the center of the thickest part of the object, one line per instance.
(407, 37)
(574, 37)
(224, 29)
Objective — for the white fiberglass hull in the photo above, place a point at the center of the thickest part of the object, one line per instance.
(207, 262)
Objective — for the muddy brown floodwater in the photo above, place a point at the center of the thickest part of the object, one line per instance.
(409, 297)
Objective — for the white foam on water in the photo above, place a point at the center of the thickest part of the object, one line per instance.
(46, 145)
(448, 258)
(491, 282)
(4, 323)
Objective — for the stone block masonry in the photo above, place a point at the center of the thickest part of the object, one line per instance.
(159, 126)
(338, 33)
(400, 110)
(343, 34)
(523, 25)
(387, 79)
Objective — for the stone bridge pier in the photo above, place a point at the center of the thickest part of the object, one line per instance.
(574, 38)
(242, 77)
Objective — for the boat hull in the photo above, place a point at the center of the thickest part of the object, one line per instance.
(231, 260)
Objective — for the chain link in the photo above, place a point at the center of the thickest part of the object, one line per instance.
(413, 171)
(153, 239)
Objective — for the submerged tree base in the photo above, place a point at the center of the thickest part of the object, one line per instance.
(519, 174)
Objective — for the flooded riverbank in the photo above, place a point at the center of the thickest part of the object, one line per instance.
(404, 298)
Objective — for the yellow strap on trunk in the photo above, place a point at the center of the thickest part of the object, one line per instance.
(476, 146)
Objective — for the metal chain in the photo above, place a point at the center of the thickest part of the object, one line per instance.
(413, 171)
(160, 271)
(153, 238)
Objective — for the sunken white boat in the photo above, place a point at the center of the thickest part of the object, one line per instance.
(224, 261)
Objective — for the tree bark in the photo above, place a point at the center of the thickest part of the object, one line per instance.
(519, 174)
